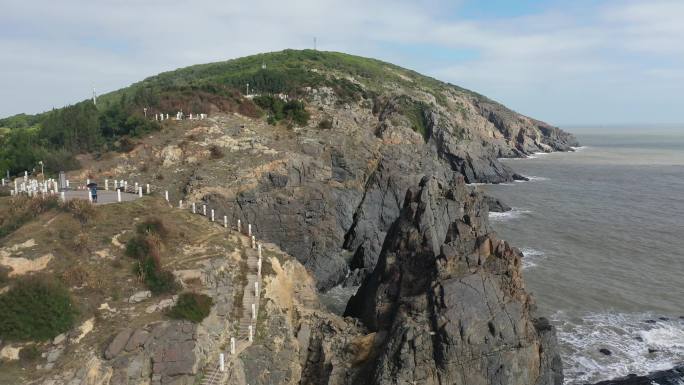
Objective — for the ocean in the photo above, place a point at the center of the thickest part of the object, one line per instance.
(602, 231)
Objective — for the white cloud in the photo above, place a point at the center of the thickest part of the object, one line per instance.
(562, 65)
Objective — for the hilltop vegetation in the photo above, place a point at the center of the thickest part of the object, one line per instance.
(57, 136)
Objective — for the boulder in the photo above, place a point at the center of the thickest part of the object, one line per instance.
(140, 296)
(118, 343)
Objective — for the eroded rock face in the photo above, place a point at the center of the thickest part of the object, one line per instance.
(447, 300)
(328, 197)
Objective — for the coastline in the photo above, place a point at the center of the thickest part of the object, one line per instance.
(643, 329)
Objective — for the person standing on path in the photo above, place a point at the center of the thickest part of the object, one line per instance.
(93, 191)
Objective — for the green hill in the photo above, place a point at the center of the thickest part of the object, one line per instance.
(119, 116)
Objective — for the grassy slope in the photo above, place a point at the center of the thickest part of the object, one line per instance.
(286, 71)
(97, 272)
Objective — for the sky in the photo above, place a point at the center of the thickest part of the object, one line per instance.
(580, 62)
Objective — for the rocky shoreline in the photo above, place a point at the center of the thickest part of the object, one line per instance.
(674, 376)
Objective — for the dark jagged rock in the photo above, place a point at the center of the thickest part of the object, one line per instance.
(673, 376)
(496, 205)
(447, 300)
(605, 352)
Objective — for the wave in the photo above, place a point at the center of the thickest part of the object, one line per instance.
(638, 343)
(531, 257)
(515, 213)
(536, 155)
(533, 179)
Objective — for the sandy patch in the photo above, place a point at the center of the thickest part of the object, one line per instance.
(104, 254)
(116, 242)
(7, 251)
(10, 353)
(21, 266)
(84, 329)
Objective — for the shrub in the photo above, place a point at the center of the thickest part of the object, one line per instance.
(4, 275)
(29, 353)
(81, 209)
(75, 276)
(215, 152)
(125, 145)
(157, 279)
(192, 306)
(153, 225)
(325, 124)
(249, 109)
(23, 209)
(292, 111)
(36, 309)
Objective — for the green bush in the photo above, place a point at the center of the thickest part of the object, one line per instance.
(157, 279)
(153, 225)
(137, 247)
(292, 111)
(29, 353)
(192, 306)
(36, 308)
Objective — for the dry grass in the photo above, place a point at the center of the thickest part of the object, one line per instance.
(75, 276)
(81, 209)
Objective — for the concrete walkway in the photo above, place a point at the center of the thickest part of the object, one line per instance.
(103, 197)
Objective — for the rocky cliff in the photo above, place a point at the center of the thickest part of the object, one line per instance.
(448, 299)
(326, 191)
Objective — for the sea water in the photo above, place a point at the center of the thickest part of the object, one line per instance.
(602, 231)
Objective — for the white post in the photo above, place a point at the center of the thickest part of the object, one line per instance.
(239, 227)
(212, 215)
(106, 184)
(166, 195)
(140, 191)
(204, 210)
(67, 182)
(136, 186)
(3, 182)
(250, 333)
(63, 197)
(90, 197)
(116, 184)
(194, 211)
(259, 248)
(256, 288)
(118, 195)
(259, 267)
(222, 366)
(232, 345)
(180, 204)
(87, 181)
(148, 189)
(225, 221)
(253, 242)
(253, 311)
(249, 230)
(125, 185)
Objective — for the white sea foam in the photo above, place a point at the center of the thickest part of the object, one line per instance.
(515, 213)
(536, 178)
(580, 148)
(531, 257)
(629, 339)
(537, 155)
